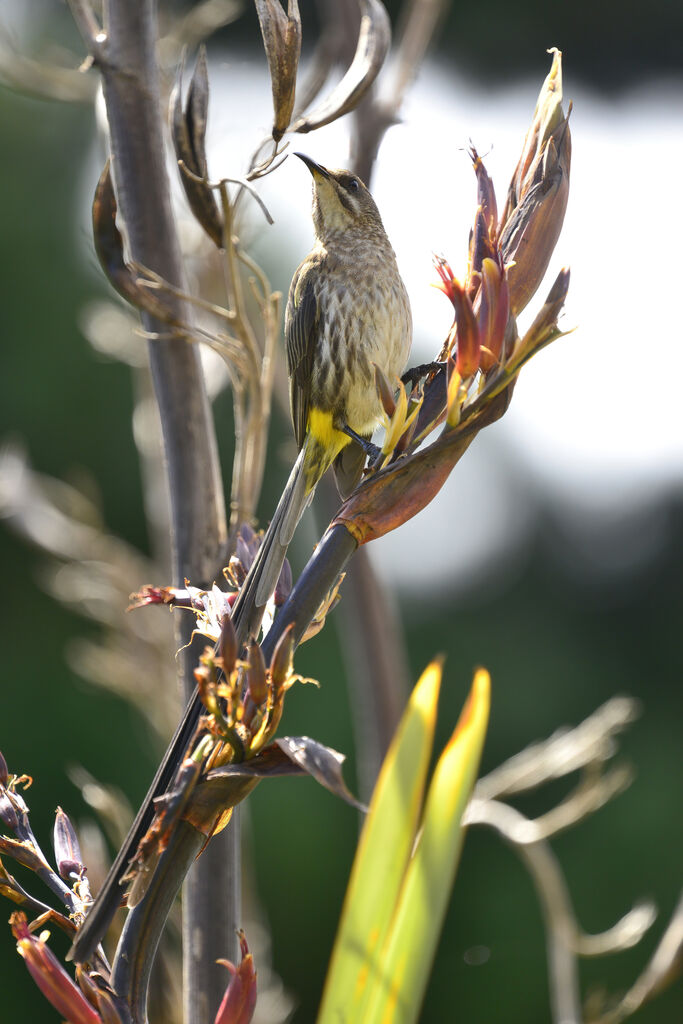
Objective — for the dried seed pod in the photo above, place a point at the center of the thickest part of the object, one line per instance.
(109, 249)
(374, 40)
(282, 41)
(188, 130)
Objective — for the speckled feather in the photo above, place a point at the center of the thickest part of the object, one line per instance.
(347, 310)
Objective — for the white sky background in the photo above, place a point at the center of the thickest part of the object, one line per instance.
(595, 424)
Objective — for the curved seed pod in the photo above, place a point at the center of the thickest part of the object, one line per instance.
(188, 129)
(374, 40)
(109, 241)
(282, 41)
(109, 250)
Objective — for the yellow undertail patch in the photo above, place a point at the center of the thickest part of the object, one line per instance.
(323, 445)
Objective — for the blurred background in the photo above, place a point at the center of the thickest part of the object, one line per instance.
(553, 555)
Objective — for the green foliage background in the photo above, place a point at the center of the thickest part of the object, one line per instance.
(556, 646)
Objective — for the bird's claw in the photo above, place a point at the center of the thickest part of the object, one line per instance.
(416, 373)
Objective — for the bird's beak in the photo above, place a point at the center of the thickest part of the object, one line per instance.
(317, 170)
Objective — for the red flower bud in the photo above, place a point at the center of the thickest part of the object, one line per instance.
(50, 976)
(239, 1000)
(468, 341)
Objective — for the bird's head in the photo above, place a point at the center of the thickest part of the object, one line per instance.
(341, 203)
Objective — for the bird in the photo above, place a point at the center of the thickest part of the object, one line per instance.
(347, 312)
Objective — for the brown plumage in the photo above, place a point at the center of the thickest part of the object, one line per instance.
(347, 311)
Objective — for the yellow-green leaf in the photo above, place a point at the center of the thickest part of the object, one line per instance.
(382, 856)
(405, 961)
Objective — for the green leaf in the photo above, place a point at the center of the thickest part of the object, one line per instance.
(406, 959)
(382, 857)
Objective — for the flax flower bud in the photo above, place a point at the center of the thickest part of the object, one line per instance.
(469, 343)
(50, 976)
(228, 644)
(239, 1001)
(67, 849)
(493, 312)
(282, 660)
(257, 679)
(537, 197)
(486, 193)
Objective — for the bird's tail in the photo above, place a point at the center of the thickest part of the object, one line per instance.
(263, 575)
(247, 614)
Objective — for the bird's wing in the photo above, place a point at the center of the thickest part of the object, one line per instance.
(301, 320)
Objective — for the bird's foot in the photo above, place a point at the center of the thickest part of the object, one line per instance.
(416, 373)
(370, 449)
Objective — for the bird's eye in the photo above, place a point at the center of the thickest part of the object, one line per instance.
(352, 184)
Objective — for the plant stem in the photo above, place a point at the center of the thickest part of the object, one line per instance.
(145, 922)
(125, 55)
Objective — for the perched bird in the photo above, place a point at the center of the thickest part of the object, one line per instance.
(347, 311)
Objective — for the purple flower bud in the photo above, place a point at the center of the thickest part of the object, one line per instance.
(8, 814)
(67, 849)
